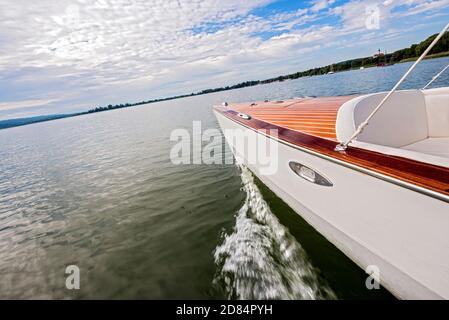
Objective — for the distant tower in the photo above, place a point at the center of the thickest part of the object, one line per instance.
(379, 56)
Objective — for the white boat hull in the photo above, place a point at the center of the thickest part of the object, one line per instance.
(404, 233)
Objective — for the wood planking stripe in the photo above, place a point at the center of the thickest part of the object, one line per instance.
(312, 116)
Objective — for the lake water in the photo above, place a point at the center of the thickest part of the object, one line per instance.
(100, 192)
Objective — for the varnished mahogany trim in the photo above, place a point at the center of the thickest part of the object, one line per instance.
(413, 173)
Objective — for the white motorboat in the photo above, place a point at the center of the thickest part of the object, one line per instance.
(369, 172)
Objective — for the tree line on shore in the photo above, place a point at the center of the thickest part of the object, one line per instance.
(412, 52)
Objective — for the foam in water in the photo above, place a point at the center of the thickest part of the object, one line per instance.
(260, 259)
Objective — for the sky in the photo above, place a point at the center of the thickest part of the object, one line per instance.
(72, 55)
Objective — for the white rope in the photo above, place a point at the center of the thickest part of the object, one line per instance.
(435, 77)
(342, 146)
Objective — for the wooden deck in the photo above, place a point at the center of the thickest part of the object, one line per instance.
(312, 116)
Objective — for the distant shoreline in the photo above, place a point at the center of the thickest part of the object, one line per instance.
(429, 57)
(400, 56)
(381, 59)
(17, 122)
(432, 56)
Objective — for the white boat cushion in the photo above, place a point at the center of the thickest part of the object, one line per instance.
(413, 124)
(434, 146)
(437, 106)
(401, 121)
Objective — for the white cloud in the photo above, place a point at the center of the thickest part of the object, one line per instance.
(105, 50)
(24, 104)
(354, 13)
(424, 6)
(319, 5)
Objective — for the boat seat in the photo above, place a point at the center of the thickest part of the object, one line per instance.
(413, 124)
(433, 146)
(401, 121)
(437, 108)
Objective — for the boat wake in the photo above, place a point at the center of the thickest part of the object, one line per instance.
(260, 259)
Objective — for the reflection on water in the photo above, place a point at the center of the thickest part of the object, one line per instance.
(99, 191)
